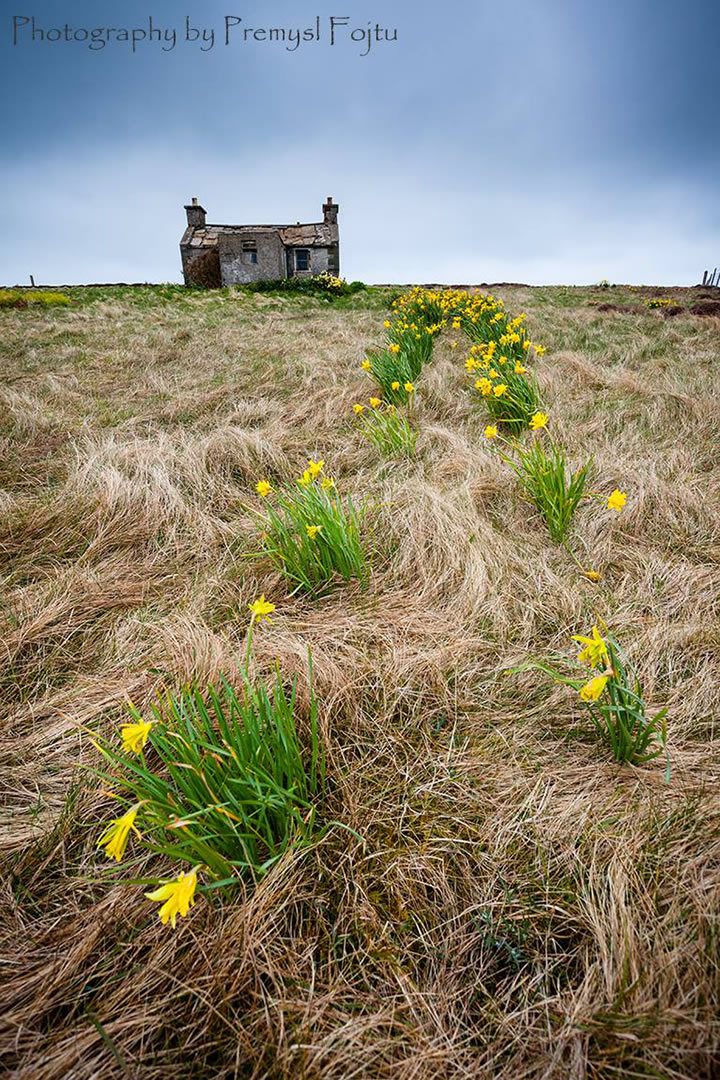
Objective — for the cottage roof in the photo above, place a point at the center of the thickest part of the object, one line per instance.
(314, 234)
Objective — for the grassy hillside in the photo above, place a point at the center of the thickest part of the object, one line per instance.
(504, 899)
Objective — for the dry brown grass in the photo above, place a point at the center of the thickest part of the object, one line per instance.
(521, 907)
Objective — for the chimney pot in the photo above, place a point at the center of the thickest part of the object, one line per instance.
(195, 215)
(330, 211)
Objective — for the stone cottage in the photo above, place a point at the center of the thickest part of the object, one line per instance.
(215, 255)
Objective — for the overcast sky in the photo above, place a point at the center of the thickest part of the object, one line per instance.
(541, 141)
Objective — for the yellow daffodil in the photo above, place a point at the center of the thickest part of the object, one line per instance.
(499, 390)
(315, 467)
(595, 652)
(491, 431)
(539, 420)
(408, 388)
(374, 402)
(592, 575)
(394, 349)
(540, 350)
(395, 385)
(519, 369)
(261, 609)
(305, 479)
(357, 409)
(327, 482)
(134, 736)
(312, 530)
(263, 488)
(592, 690)
(366, 365)
(178, 896)
(616, 500)
(484, 386)
(453, 344)
(387, 324)
(492, 373)
(115, 837)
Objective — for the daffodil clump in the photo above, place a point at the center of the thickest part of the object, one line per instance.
(398, 365)
(424, 307)
(659, 302)
(417, 318)
(394, 373)
(542, 470)
(507, 389)
(499, 364)
(310, 533)
(331, 281)
(547, 481)
(216, 780)
(499, 367)
(611, 690)
(386, 427)
(445, 307)
(411, 335)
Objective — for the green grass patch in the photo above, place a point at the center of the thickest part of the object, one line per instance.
(387, 429)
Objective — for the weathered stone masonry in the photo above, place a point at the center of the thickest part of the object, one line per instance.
(215, 255)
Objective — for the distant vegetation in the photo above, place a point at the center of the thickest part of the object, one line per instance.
(17, 298)
(323, 285)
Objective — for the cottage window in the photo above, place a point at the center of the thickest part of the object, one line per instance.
(249, 251)
(302, 259)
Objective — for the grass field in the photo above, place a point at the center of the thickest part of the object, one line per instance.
(510, 902)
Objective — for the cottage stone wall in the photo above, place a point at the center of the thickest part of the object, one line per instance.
(236, 265)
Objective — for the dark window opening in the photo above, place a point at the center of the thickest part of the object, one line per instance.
(249, 251)
(302, 259)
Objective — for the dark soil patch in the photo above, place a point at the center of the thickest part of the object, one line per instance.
(625, 309)
(707, 307)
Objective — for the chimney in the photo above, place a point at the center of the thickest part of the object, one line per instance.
(330, 211)
(195, 215)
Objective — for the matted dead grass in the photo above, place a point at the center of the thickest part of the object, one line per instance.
(521, 907)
